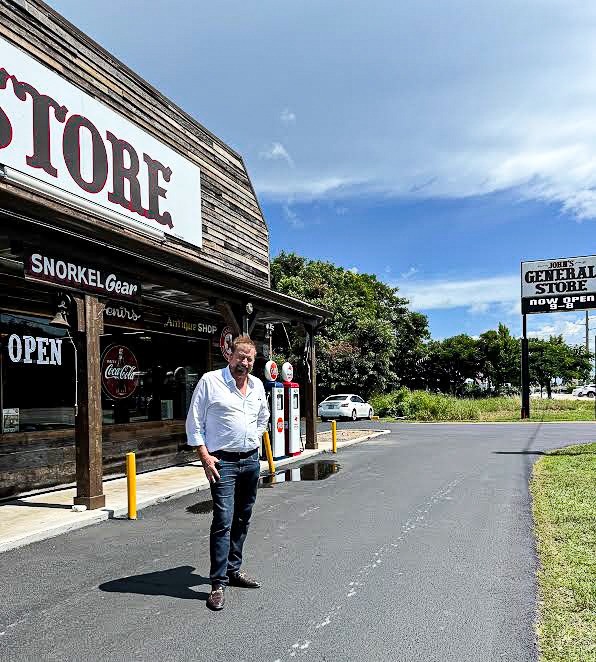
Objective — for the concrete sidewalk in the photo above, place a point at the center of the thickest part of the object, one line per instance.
(46, 515)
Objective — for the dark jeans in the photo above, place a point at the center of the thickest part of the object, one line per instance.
(233, 495)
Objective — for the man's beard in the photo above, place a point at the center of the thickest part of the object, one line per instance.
(241, 370)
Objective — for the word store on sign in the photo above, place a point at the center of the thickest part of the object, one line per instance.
(53, 131)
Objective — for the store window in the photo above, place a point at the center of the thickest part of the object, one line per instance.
(149, 376)
(37, 375)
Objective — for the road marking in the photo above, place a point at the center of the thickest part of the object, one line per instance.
(416, 520)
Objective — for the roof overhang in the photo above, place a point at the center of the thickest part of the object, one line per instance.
(167, 277)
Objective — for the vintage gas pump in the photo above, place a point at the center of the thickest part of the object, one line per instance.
(275, 397)
(292, 410)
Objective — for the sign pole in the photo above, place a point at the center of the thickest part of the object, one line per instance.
(525, 373)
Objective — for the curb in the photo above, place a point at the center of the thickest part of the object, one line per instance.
(96, 516)
(93, 518)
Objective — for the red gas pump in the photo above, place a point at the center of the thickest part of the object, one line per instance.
(292, 410)
(275, 397)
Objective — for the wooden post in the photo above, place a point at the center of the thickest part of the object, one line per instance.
(225, 310)
(311, 390)
(88, 421)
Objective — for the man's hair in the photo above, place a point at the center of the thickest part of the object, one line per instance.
(243, 340)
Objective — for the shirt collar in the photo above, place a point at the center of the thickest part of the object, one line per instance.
(227, 375)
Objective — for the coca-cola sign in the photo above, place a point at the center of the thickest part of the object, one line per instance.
(119, 372)
(225, 342)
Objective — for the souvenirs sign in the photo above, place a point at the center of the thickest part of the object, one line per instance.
(565, 284)
(122, 314)
(80, 276)
(53, 132)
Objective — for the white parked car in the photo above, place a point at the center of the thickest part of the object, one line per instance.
(345, 406)
(587, 390)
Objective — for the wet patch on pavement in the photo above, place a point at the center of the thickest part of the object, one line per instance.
(200, 508)
(305, 472)
(308, 471)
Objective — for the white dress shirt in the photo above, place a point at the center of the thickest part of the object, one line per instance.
(221, 418)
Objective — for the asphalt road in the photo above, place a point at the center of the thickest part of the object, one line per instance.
(419, 548)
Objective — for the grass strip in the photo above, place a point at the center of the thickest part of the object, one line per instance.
(563, 487)
(424, 406)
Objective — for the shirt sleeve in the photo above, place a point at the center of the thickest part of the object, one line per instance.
(197, 415)
(263, 415)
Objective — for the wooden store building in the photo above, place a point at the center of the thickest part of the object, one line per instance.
(132, 248)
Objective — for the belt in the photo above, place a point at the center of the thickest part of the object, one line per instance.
(232, 455)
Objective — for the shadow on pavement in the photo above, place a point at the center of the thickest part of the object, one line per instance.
(519, 453)
(37, 504)
(175, 583)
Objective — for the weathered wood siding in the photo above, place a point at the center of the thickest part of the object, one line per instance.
(36, 460)
(228, 198)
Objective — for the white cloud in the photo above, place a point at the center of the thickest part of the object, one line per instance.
(479, 308)
(354, 270)
(475, 294)
(570, 326)
(287, 116)
(430, 98)
(306, 188)
(510, 308)
(409, 273)
(275, 152)
(295, 221)
(488, 105)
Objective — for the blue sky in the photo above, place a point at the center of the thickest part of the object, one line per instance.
(434, 144)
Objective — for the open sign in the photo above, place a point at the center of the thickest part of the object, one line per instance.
(35, 349)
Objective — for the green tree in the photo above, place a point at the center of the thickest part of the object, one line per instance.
(369, 335)
(450, 362)
(554, 358)
(499, 355)
(411, 334)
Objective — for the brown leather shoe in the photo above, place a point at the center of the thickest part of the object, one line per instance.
(217, 598)
(243, 580)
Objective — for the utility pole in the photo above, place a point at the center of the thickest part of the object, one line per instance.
(587, 333)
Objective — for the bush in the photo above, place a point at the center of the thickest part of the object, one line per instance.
(436, 407)
(425, 406)
(393, 405)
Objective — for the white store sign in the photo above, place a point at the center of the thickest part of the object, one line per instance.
(56, 133)
(558, 285)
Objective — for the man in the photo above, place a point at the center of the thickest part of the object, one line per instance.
(227, 417)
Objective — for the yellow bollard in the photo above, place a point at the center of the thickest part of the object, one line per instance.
(269, 452)
(131, 485)
(334, 436)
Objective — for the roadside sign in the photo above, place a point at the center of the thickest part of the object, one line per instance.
(560, 285)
